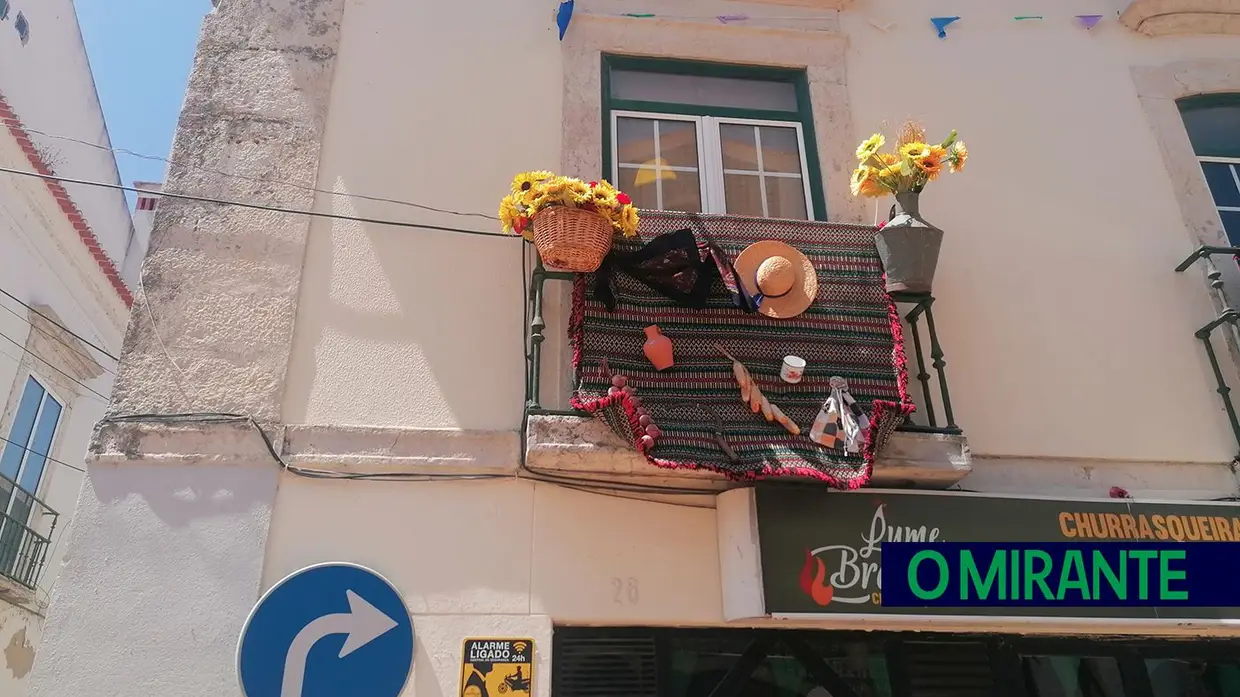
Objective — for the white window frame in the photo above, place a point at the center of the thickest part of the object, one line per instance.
(64, 407)
(710, 157)
(1235, 175)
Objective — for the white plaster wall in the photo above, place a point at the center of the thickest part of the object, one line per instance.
(406, 327)
(1066, 330)
(504, 553)
(1064, 326)
(49, 84)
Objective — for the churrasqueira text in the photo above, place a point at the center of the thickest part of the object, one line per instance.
(1029, 575)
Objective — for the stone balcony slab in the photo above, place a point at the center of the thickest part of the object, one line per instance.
(574, 444)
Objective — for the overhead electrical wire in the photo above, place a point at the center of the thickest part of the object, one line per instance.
(45, 455)
(69, 331)
(258, 180)
(260, 206)
(586, 484)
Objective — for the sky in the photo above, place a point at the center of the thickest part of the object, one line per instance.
(140, 53)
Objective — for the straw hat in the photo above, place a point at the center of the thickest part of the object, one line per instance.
(784, 277)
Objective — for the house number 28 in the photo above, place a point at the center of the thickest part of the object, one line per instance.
(624, 590)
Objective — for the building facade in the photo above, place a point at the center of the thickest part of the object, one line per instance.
(299, 388)
(65, 302)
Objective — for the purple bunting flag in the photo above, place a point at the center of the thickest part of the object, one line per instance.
(1088, 21)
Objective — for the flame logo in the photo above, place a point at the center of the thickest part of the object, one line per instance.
(813, 580)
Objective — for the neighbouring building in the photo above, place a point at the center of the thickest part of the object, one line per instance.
(413, 383)
(65, 302)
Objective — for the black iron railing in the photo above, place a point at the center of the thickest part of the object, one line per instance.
(534, 338)
(1227, 319)
(922, 309)
(23, 548)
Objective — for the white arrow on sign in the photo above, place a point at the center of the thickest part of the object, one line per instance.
(363, 623)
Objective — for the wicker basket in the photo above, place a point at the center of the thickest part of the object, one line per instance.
(571, 239)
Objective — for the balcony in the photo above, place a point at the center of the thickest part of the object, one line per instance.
(26, 526)
(928, 451)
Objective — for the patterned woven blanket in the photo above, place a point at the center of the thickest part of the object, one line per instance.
(852, 331)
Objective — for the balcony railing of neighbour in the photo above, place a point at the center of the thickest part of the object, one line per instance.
(1227, 320)
(927, 364)
(923, 350)
(26, 527)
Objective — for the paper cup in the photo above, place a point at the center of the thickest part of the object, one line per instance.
(792, 369)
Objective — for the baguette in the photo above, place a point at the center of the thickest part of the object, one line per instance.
(752, 396)
(768, 409)
(784, 421)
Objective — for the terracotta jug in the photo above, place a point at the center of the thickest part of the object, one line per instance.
(658, 348)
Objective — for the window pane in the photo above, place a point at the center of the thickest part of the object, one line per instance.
(682, 192)
(740, 150)
(678, 145)
(1176, 678)
(785, 198)
(1071, 676)
(699, 90)
(634, 140)
(40, 446)
(1222, 182)
(23, 426)
(743, 194)
(1231, 224)
(644, 194)
(1211, 125)
(780, 150)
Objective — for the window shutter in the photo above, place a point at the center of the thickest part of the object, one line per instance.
(598, 666)
(949, 669)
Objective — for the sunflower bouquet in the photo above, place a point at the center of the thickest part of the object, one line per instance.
(913, 164)
(534, 192)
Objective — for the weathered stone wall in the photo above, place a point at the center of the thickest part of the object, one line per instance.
(174, 548)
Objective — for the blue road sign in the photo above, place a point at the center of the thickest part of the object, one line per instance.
(328, 630)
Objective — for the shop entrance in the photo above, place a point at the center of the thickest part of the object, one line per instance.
(646, 662)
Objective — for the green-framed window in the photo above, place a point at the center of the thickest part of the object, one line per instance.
(1213, 125)
(711, 138)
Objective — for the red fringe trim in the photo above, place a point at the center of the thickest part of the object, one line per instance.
(882, 411)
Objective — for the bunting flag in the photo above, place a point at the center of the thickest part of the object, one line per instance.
(724, 19)
(940, 24)
(1020, 18)
(563, 16)
(1088, 21)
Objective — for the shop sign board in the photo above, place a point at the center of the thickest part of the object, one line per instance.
(821, 551)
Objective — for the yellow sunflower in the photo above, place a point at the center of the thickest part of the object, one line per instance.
(914, 151)
(957, 156)
(628, 221)
(865, 183)
(870, 146)
(892, 165)
(578, 191)
(525, 180)
(508, 212)
(605, 198)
